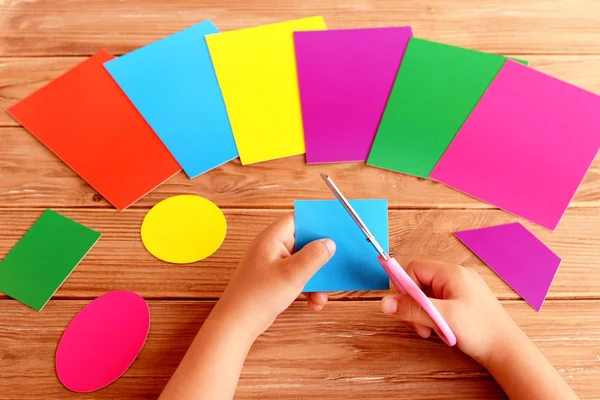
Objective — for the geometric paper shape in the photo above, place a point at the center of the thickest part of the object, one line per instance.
(183, 229)
(87, 121)
(354, 265)
(173, 85)
(345, 77)
(436, 89)
(44, 257)
(517, 256)
(527, 145)
(256, 70)
(102, 341)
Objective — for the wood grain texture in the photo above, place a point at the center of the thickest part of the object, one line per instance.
(32, 176)
(349, 350)
(81, 27)
(119, 260)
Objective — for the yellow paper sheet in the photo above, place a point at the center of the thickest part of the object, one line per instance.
(256, 69)
(183, 229)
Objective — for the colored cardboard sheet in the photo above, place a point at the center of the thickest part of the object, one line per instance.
(88, 122)
(517, 256)
(43, 259)
(354, 265)
(527, 145)
(256, 69)
(436, 89)
(173, 84)
(345, 77)
(102, 341)
(183, 229)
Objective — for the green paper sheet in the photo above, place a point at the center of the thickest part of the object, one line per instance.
(436, 89)
(43, 259)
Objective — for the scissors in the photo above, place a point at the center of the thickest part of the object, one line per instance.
(402, 282)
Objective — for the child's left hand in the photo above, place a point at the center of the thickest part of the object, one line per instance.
(269, 277)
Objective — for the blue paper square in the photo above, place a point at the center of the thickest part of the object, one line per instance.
(173, 85)
(354, 265)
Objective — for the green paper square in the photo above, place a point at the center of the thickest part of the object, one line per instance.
(43, 259)
(436, 89)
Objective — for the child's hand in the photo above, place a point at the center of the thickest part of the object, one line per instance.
(463, 298)
(269, 278)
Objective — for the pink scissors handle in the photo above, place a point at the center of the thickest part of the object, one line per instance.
(405, 285)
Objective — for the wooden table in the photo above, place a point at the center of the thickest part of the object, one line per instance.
(350, 350)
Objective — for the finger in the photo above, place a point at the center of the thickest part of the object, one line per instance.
(311, 304)
(422, 330)
(280, 232)
(319, 298)
(405, 308)
(433, 274)
(314, 307)
(304, 263)
(316, 300)
(428, 292)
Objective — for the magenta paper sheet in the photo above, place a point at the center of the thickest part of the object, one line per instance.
(527, 145)
(345, 78)
(517, 256)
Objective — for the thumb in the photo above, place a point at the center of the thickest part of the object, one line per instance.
(405, 308)
(304, 263)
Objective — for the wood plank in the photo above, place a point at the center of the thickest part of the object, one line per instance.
(20, 77)
(350, 350)
(81, 27)
(119, 260)
(34, 177)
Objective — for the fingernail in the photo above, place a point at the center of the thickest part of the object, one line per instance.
(330, 244)
(389, 305)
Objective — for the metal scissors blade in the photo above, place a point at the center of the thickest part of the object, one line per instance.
(338, 195)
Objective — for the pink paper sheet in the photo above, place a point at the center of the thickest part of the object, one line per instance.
(345, 78)
(102, 341)
(517, 256)
(527, 145)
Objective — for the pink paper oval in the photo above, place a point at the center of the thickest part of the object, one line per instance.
(102, 341)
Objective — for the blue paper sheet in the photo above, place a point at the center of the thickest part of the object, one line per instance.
(354, 265)
(173, 85)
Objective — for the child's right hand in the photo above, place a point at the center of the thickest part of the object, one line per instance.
(477, 318)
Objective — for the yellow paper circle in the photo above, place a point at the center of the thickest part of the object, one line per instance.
(183, 229)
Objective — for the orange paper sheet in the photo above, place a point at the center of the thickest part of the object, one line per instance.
(88, 122)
